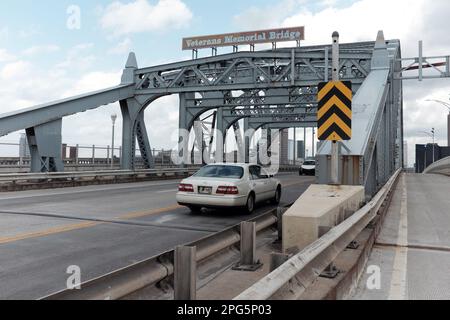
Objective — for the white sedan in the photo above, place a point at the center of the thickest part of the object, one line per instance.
(227, 186)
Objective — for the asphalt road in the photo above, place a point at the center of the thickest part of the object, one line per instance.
(100, 229)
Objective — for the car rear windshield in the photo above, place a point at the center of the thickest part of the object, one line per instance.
(309, 163)
(218, 171)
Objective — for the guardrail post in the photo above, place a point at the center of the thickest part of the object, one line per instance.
(185, 273)
(280, 214)
(248, 248)
(331, 271)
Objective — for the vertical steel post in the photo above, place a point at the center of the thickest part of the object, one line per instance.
(93, 157)
(313, 141)
(295, 146)
(304, 144)
(113, 118)
(185, 273)
(420, 60)
(248, 261)
(77, 156)
(293, 67)
(335, 147)
(448, 129)
(432, 131)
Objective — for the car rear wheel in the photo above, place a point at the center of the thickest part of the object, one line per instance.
(276, 200)
(250, 207)
(195, 209)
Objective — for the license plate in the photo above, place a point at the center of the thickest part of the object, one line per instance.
(205, 190)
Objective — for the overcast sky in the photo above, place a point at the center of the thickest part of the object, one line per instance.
(42, 59)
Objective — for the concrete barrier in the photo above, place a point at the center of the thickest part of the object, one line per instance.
(319, 208)
(439, 167)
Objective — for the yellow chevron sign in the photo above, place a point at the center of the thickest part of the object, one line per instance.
(335, 110)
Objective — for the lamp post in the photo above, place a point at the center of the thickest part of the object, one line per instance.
(447, 105)
(431, 135)
(113, 118)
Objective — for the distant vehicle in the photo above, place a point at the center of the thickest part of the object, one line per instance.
(229, 186)
(308, 168)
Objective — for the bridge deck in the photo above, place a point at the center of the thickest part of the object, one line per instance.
(413, 249)
(100, 229)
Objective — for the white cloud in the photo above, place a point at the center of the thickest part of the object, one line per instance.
(5, 56)
(264, 17)
(41, 50)
(122, 47)
(406, 20)
(15, 70)
(141, 16)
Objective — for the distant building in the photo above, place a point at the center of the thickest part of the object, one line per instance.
(424, 155)
(405, 154)
(284, 146)
(24, 150)
(300, 150)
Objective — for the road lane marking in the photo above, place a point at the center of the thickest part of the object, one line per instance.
(83, 225)
(146, 213)
(48, 232)
(399, 273)
(167, 191)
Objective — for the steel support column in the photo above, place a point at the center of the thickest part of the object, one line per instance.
(45, 143)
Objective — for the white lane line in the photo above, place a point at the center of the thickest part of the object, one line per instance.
(398, 281)
(166, 191)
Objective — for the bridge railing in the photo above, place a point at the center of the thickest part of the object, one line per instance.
(440, 167)
(293, 278)
(21, 177)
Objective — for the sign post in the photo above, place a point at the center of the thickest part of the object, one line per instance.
(335, 77)
(335, 111)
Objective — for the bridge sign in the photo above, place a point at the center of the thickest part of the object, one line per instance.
(244, 38)
(335, 110)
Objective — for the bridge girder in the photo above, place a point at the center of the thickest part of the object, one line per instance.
(243, 79)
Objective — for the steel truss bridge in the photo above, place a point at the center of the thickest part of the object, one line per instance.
(268, 89)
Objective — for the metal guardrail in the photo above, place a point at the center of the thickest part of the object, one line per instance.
(128, 280)
(440, 167)
(16, 177)
(292, 279)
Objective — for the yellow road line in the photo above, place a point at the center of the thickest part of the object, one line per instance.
(48, 232)
(83, 225)
(140, 214)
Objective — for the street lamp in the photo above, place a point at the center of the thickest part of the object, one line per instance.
(432, 135)
(447, 105)
(113, 118)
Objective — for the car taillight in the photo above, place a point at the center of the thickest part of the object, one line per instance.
(186, 187)
(227, 190)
